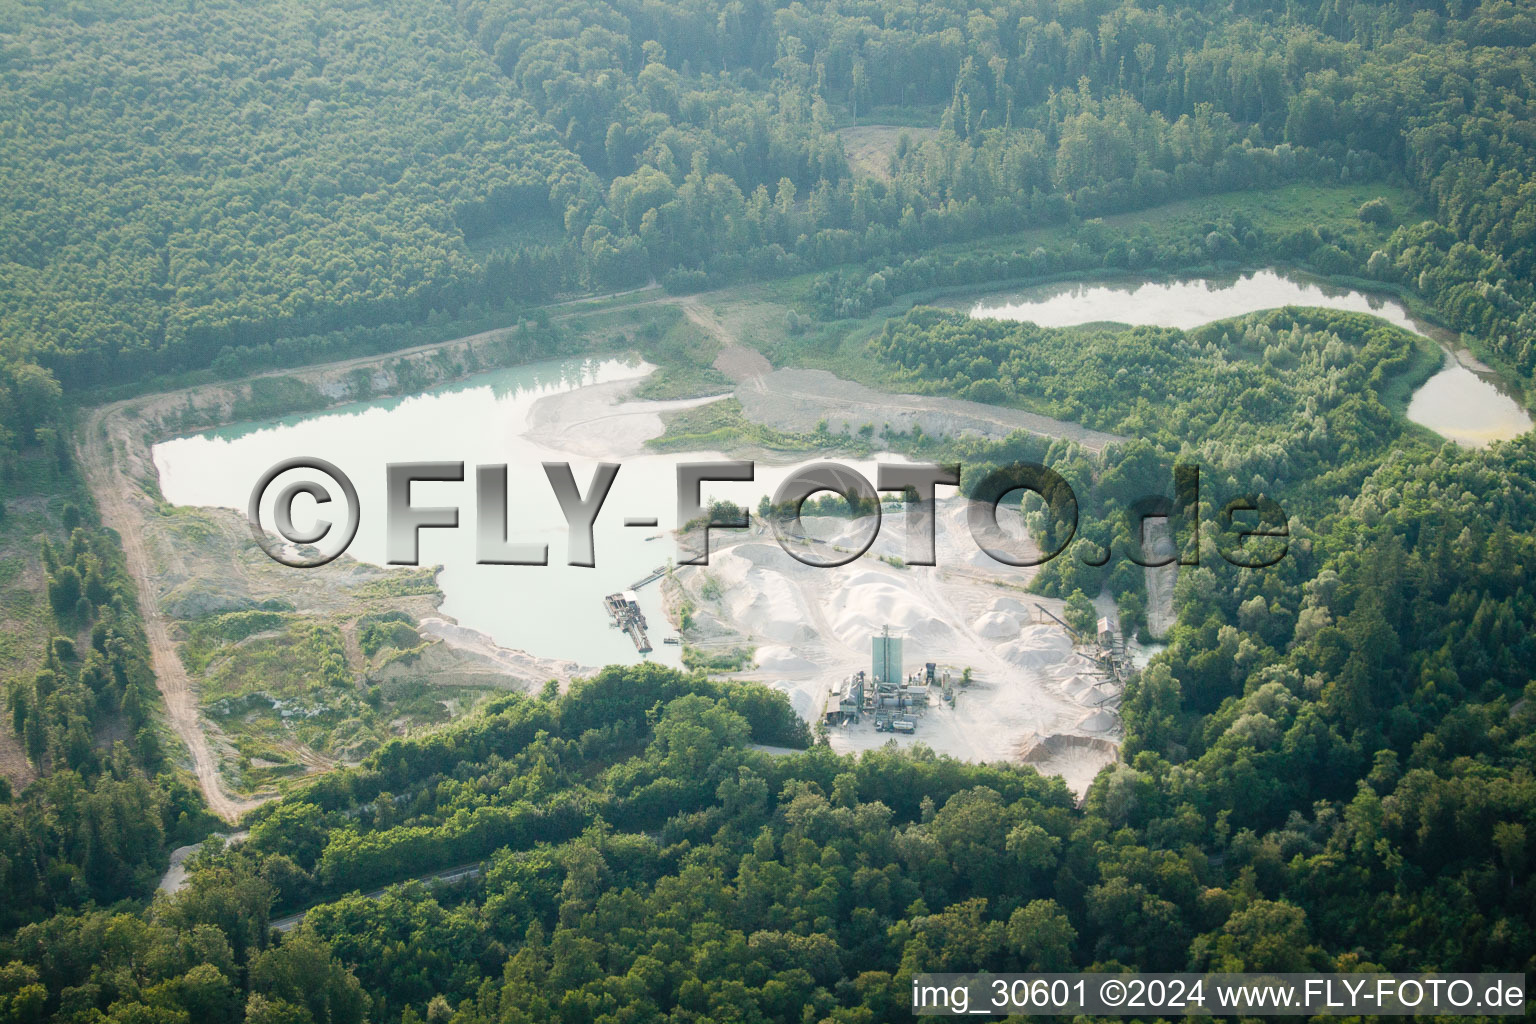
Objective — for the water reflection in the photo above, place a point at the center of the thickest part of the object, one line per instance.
(1468, 407)
(554, 610)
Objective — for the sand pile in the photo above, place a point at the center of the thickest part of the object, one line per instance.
(1004, 619)
(1037, 648)
(805, 704)
(757, 591)
(997, 626)
(979, 559)
(775, 658)
(860, 607)
(1100, 694)
(1078, 687)
(1073, 663)
(812, 628)
(852, 533)
(1098, 721)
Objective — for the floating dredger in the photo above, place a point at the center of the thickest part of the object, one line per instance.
(624, 609)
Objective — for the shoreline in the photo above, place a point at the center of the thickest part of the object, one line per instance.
(595, 421)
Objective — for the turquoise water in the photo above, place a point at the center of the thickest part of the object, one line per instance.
(556, 610)
(553, 610)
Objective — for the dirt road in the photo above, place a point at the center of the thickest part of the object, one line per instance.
(115, 459)
(114, 456)
(798, 400)
(446, 877)
(738, 362)
(123, 505)
(1160, 579)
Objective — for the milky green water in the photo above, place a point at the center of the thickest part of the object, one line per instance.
(556, 610)
(1458, 403)
(552, 611)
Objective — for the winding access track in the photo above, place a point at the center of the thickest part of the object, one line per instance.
(122, 505)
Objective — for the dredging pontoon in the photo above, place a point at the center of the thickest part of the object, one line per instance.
(624, 609)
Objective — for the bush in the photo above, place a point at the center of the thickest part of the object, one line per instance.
(988, 391)
(1375, 211)
(1330, 259)
(1081, 615)
(64, 589)
(679, 281)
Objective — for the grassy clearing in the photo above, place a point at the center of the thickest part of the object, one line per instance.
(209, 638)
(737, 659)
(870, 147)
(391, 632)
(404, 584)
(282, 685)
(675, 381)
(681, 350)
(719, 426)
(299, 659)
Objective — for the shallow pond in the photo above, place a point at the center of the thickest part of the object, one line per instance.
(1463, 401)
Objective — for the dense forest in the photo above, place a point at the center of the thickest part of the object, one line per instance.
(642, 862)
(1286, 405)
(1330, 766)
(97, 828)
(359, 167)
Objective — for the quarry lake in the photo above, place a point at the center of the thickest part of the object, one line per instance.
(562, 410)
(1464, 401)
(576, 410)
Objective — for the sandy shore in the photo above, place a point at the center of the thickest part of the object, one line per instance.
(597, 422)
(521, 666)
(811, 627)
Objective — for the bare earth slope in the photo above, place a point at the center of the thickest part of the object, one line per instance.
(116, 498)
(796, 400)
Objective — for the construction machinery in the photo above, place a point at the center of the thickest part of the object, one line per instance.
(624, 609)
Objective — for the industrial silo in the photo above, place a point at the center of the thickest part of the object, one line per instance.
(887, 658)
